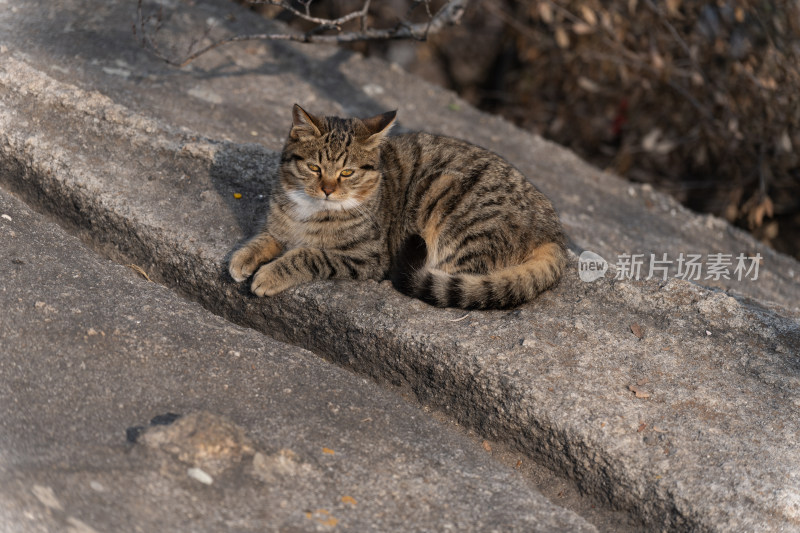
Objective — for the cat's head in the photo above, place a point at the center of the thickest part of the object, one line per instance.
(331, 162)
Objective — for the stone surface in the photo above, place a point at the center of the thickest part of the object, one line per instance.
(271, 438)
(243, 94)
(667, 399)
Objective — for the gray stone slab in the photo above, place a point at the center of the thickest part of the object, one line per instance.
(243, 93)
(287, 441)
(689, 424)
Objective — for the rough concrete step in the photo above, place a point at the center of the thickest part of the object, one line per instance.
(272, 438)
(243, 93)
(687, 419)
(690, 426)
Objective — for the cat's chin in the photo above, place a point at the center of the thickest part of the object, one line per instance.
(306, 206)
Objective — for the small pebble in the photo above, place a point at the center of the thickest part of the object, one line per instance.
(200, 475)
(372, 89)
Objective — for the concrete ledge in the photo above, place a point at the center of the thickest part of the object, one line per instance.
(707, 442)
(243, 93)
(271, 439)
(689, 424)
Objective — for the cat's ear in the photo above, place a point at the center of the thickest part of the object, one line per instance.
(304, 124)
(377, 127)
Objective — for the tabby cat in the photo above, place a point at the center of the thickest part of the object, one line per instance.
(451, 223)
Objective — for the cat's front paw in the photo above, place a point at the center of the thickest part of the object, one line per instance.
(243, 263)
(268, 282)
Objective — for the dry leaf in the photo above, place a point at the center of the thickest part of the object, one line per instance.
(785, 142)
(650, 140)
(673, 7)
(140, 271)
(487, 446)
(588, 15)
(768, 82)
(657, 60)
(637, 330)
(588, 85)
(546, 12)
(764, 208)
(770, 230)
(562, 39)
(328, 451)
(642, 427)
(639, 392)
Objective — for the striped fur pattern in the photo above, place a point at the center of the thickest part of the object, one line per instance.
(449, 222)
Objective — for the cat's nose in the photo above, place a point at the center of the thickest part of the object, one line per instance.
(328, 189)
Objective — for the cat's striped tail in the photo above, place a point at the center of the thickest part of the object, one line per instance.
(501, 289)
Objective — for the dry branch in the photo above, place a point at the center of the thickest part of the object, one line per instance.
(147, 26)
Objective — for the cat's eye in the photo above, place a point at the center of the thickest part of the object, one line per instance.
(346, 172)
(313, 167)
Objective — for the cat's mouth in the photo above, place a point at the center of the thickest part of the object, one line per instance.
(306, 205)
(329, 201)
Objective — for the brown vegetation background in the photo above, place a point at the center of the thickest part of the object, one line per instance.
(699, 99)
